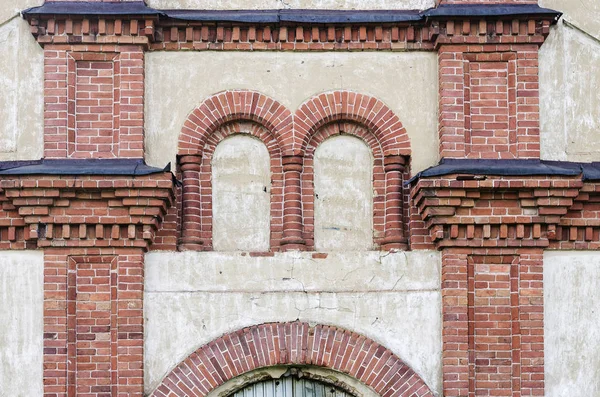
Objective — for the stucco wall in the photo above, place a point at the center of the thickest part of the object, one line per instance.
(343, 195)
(569, 80)
(192, 298)
(281, 4)
(178, 82)
(21, 87)
(21, 323)
(241, 195)
(572, 323)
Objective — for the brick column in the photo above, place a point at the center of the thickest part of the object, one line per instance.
(394, 234)
(191, 230)
(292, 204)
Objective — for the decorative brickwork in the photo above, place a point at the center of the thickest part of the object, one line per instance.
(379, 119)
(292, 344)
(296, 137)
(493, 322)
(489, 101)
(94, 98)
(495, 211)
(491, 229)
(89, 211)
(93, 322)
(95, 230)
(579, 228)
(219, 116)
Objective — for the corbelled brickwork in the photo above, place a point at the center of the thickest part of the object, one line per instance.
(292, 344)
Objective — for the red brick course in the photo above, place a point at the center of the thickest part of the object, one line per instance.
(292, 344)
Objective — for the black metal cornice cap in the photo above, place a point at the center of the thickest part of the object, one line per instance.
(130, 167)
(92, 8)
(516, 167)
(294, 15)
(491, 10)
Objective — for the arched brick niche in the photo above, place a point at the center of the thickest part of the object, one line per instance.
(327, 133)
(294, 343)
(368, 118)
(220, 116)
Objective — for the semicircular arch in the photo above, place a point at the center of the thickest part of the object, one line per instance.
(228, 106)
(369, 111)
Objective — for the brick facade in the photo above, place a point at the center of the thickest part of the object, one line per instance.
(491, 229)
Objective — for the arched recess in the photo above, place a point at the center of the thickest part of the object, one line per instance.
(219, 116)
(371, 120)
(293, 343)
(309, 198)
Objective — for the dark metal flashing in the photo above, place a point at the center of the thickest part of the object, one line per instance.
(92, 8)
(129, 167)
(292, 16)
(490, 10)
(588, 171)
(296, 16)
(241, 16)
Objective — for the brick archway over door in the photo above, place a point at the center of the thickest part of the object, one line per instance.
(295, 343)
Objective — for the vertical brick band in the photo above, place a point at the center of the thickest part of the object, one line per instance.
(93, 322)
(493, 322)
(191, 231)
(294, 343)
(394, 235)
(292, 204)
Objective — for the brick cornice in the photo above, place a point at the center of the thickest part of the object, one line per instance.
(362, 30)
(494, 211)
(85, 211)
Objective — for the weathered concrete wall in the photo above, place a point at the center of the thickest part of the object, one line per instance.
(406, 82)
(21, 87)
(572, 323)
(192, 298)
(569, 77)
(343, 195)
(21, 323)
(241, 180)
(280, 4)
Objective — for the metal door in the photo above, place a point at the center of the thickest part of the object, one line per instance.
(290, 386)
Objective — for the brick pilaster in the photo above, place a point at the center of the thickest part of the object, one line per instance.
(93, 322)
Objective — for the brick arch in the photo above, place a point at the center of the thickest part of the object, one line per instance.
(292, 343)
(229, 106)
(308, 190)
(267, 138)
(346, 105)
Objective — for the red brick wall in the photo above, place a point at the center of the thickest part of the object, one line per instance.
(93, 322)
(489, 101)
(94, 98)
(493, 322)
